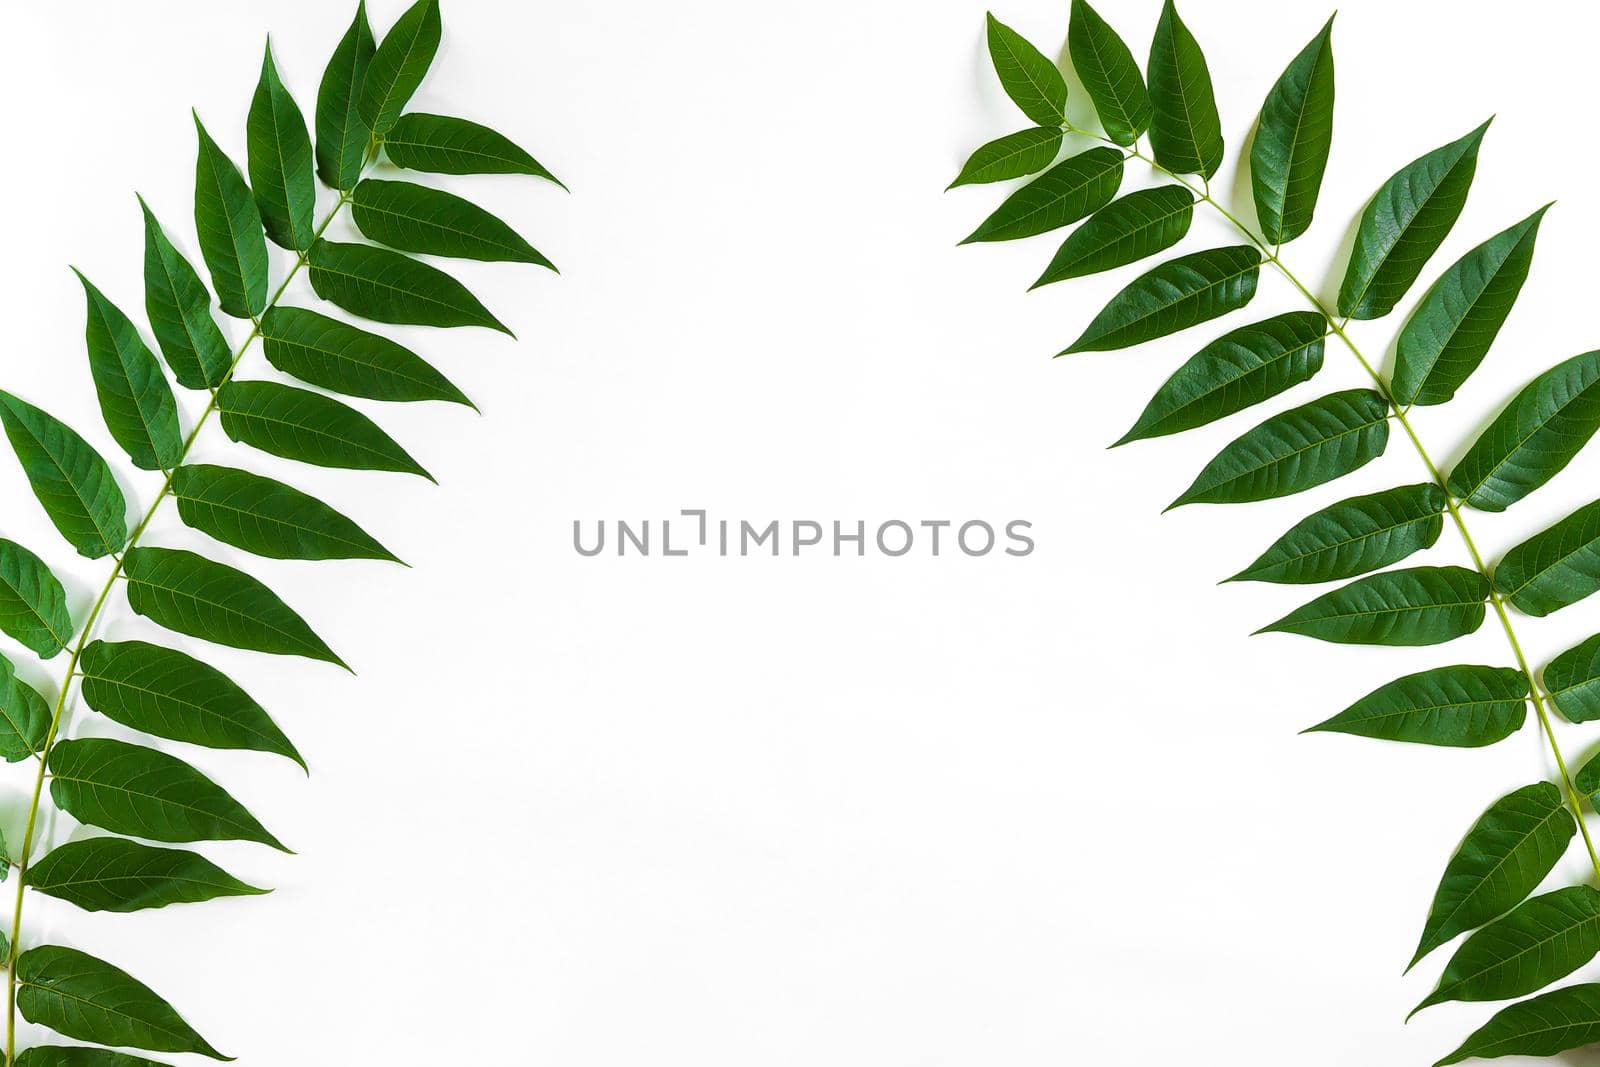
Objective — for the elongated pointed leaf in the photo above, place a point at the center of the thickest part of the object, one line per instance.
(202, 598)
(1124, 231)
(179, 307)
(134, 790)
(1185, 129)
(1451, 331)
(114, 874)
(1031, 81)
(1556, 567)
(1542, 1026)
(1457, 707)
(229, 224)
(1417, 606)
(442, 144)
(280, 161)
(399, 65)
(79, 1056)
(1534, 438)
(1573, 681)
(1295, 451)
(167, 693)
(342, 134)
(1012, 156)
(33, 605)
(1178, 294)
(266, 517)
(344, 359)
(24, 718)
(76, 487)
(301, 425)
(1237, 370)
(1404, 226)
(135, 399)
(386, 286)
(1109, 75)
(1292, 141)
(415, 218)
(1504, 856)
(75, 994)
(1067, 192)
(1354, 536)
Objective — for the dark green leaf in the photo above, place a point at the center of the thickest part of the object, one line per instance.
(1012, 156)
(1124, 231)
(1353, 537)
(1555, 567)
(1067, 192)
(74, 484)
(415, 218)
(376, 283)
(115, 874)
(1029, 79)
(1534, 438)
(344, 359)
(1587, 780)
(266, 517)
(202, 598)
(1573, 681)
(170, 694)
(1504, 856)
(24, 720)
(1417, 606)
(1292, 452)
(1458, 707)
(1185, 130)
(1292, 141)
(229, 224)
(1237, 370)
(1178, 294)
(79, 1056)
(179, 307)
(280, 161)
(399, 65)
(75, 994)
(1404, 226)
(1109, 75)
(135, 399)
(33, 606)
(441, 144)
(309, 427)
(130, 789)
(1542, 1026)
(342, 134)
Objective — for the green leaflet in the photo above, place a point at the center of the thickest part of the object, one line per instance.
(1534, 438)
(1573, 681)
(301, 425)
(171, 694)
(1072, 189)
(24, 718)
(441, 144)
(33, 606)
(1404, 226)
(342, 134)
(135, 399)
(1544, 938)
(1458, 707)
(1185, 130)
(1031, 81)
(1352, 537)
(1237, 370)
(1543, 1026)
(344, 359)
(415, 218)
(1124, 231)
(1417, 606)
(1292, 142)
(1451, 331)
(1556, 567)
(75, 486)
(79, 1056)
(1012, 156)
(1587, 780)
(229, 224)
(193, 595)
(280, 161)
(399, 65)
(179, 307)
(1504, 856)
(114, 874)
(134, 790)
(376, 283)
(266, 517)
(1109, 75)
(1296, 450)
(1180, 293)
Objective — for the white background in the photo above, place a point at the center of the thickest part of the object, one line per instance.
(915, 812)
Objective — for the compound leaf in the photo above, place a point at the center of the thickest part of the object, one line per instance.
(1031, 81)
(267, 517)
(1292, 141)
(279, 151)
(1354, 536)
(441, 144)
(379, 284)
(135, 399)
(71, 480)
(1185, 129)
(1124, 231)
(1416, 606)
(344, 359)
(232, 241)
(179, 307)
(1012, 156)
(1072, 189)
(1457, 707)
(115, 874)
(1109, 74)
(301, 425)
(1180, 293)
(399, 65)
(414, 218)
(342, 134)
